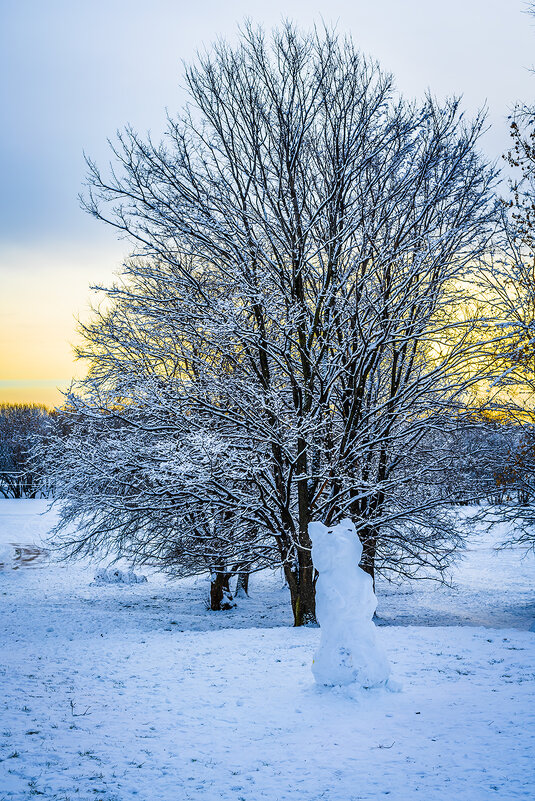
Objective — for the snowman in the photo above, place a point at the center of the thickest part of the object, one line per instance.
(345, 602)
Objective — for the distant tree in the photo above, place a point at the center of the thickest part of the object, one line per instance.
(301, 236)
(480, 458)
(21, 427)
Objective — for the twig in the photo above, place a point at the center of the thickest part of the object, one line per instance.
(79, 714)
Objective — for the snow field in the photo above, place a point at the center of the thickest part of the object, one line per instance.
(234, 714)
(135, 691)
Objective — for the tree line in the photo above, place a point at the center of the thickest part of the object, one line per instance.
(22, 428)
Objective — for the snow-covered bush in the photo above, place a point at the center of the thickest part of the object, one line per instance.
(113, 575)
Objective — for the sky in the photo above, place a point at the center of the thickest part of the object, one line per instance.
(73, 72)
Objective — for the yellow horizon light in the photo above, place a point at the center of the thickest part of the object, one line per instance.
(42, 293)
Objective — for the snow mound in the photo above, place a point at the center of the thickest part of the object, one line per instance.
(228, 602)
(112, 575)
(345, 602)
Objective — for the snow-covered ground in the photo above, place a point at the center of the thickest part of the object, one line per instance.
(137, 691)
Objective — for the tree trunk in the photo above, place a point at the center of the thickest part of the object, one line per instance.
(300, 572)
(242, 584)
(369, 548)
(219, 589)
(302, 586)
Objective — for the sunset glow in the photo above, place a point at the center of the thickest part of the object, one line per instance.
(42, 297)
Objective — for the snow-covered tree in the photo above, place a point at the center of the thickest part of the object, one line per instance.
(509, 285)
(300, 298)
(509, 282)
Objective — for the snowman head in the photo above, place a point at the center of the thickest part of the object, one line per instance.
(334, 547)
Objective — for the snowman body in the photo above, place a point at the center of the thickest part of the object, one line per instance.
(345, 603)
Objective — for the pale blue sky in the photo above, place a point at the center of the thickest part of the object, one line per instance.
(73, 71)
